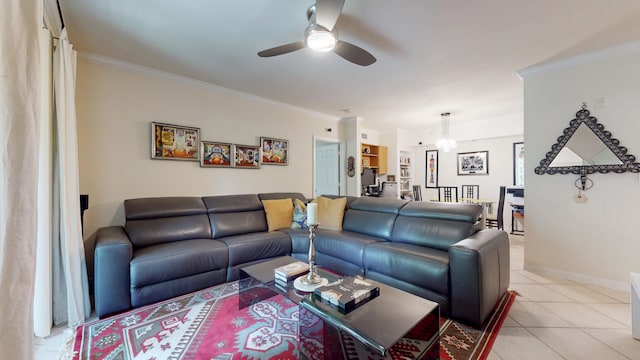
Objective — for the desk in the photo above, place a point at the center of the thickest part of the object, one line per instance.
(485, 206)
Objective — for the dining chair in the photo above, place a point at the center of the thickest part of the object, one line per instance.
(417, 193)
(448, 193)
(497, 221)
(470, 191)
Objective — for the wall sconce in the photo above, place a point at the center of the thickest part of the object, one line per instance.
(582, 183)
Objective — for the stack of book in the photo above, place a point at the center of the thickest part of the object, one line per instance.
(289, 272)
(348, 293)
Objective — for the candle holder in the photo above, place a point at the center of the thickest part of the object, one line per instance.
(310, 281)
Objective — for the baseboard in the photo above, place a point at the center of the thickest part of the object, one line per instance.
(585, 279)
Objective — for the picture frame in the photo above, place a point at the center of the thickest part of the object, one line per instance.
(431, 166)
(246, 156)
(274, 151)
(175, 142)
(518, 163)
(216, 154)
(473, 163)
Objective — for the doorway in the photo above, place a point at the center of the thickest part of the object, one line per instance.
(328, 177)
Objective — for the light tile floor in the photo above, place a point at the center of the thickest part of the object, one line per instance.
(551, 319)
(561, 319)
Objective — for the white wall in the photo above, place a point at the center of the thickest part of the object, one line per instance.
(596, 241)
(116, 106)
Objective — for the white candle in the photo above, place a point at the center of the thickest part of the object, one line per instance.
(312, 213)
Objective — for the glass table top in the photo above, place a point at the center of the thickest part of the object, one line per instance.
(378, 324)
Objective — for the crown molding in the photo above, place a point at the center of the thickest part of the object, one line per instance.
(615, 51)
(147, 71)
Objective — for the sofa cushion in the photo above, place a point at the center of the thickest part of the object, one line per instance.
(282, 195)
(373, 216)
(299, 215)
(344, 245)
(330, 212)
(350, 199)
(232, 203)
(160, 220)
(424, 267)
(231, 215)
(167, 229)
(164, 262)
(152, 208)
(279, 213)
(382, 205)
(250, 247)
(460, 212)
(435, 225)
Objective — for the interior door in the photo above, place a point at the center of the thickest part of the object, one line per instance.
(327, 168)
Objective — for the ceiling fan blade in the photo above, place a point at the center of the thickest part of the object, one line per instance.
(327, 12)
(353, 53)
(283, 49)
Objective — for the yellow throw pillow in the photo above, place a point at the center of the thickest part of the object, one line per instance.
(279, 213)
(331, 212)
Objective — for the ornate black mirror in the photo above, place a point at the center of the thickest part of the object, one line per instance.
(585, 147)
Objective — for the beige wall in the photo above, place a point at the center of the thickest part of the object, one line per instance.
(596, 241)
(115, 106)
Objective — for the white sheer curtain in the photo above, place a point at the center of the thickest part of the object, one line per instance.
(62, 294)
(70, 284)
(20, 22)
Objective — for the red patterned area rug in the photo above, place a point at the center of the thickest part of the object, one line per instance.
(208, 325)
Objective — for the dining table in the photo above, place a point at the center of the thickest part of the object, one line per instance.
(486, 205)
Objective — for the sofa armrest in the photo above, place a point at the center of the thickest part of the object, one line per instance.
(112, 255)
(479, 268)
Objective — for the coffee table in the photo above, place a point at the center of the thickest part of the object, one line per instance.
(378, 324)
(261, 274)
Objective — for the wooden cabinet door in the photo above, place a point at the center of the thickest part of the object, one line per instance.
(383, 161)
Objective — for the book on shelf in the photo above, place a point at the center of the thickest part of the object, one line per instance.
(290, 271)
(347, 293)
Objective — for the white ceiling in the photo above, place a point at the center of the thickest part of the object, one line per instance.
(460, 56)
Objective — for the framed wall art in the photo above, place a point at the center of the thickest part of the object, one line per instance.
(518, 164)
(274, 151)
(215, 154)
(174, 142)
(246, 156)
(473, 163)
(431, 178)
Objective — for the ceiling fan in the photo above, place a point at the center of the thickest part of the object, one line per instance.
(322, 36)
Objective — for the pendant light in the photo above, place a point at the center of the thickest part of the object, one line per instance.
(446, 143)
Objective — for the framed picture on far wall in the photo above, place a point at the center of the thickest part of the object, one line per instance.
(518, 164)
(431, 178)
(175, 142)
(246, 156)
(473, 163)
(274, 151)
(215, 154)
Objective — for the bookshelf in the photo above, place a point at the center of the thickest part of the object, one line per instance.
(375, 157)
(406, 173)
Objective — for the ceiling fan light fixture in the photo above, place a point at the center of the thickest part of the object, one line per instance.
(320, 39)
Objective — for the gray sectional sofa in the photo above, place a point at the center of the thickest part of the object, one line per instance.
(174, 245)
